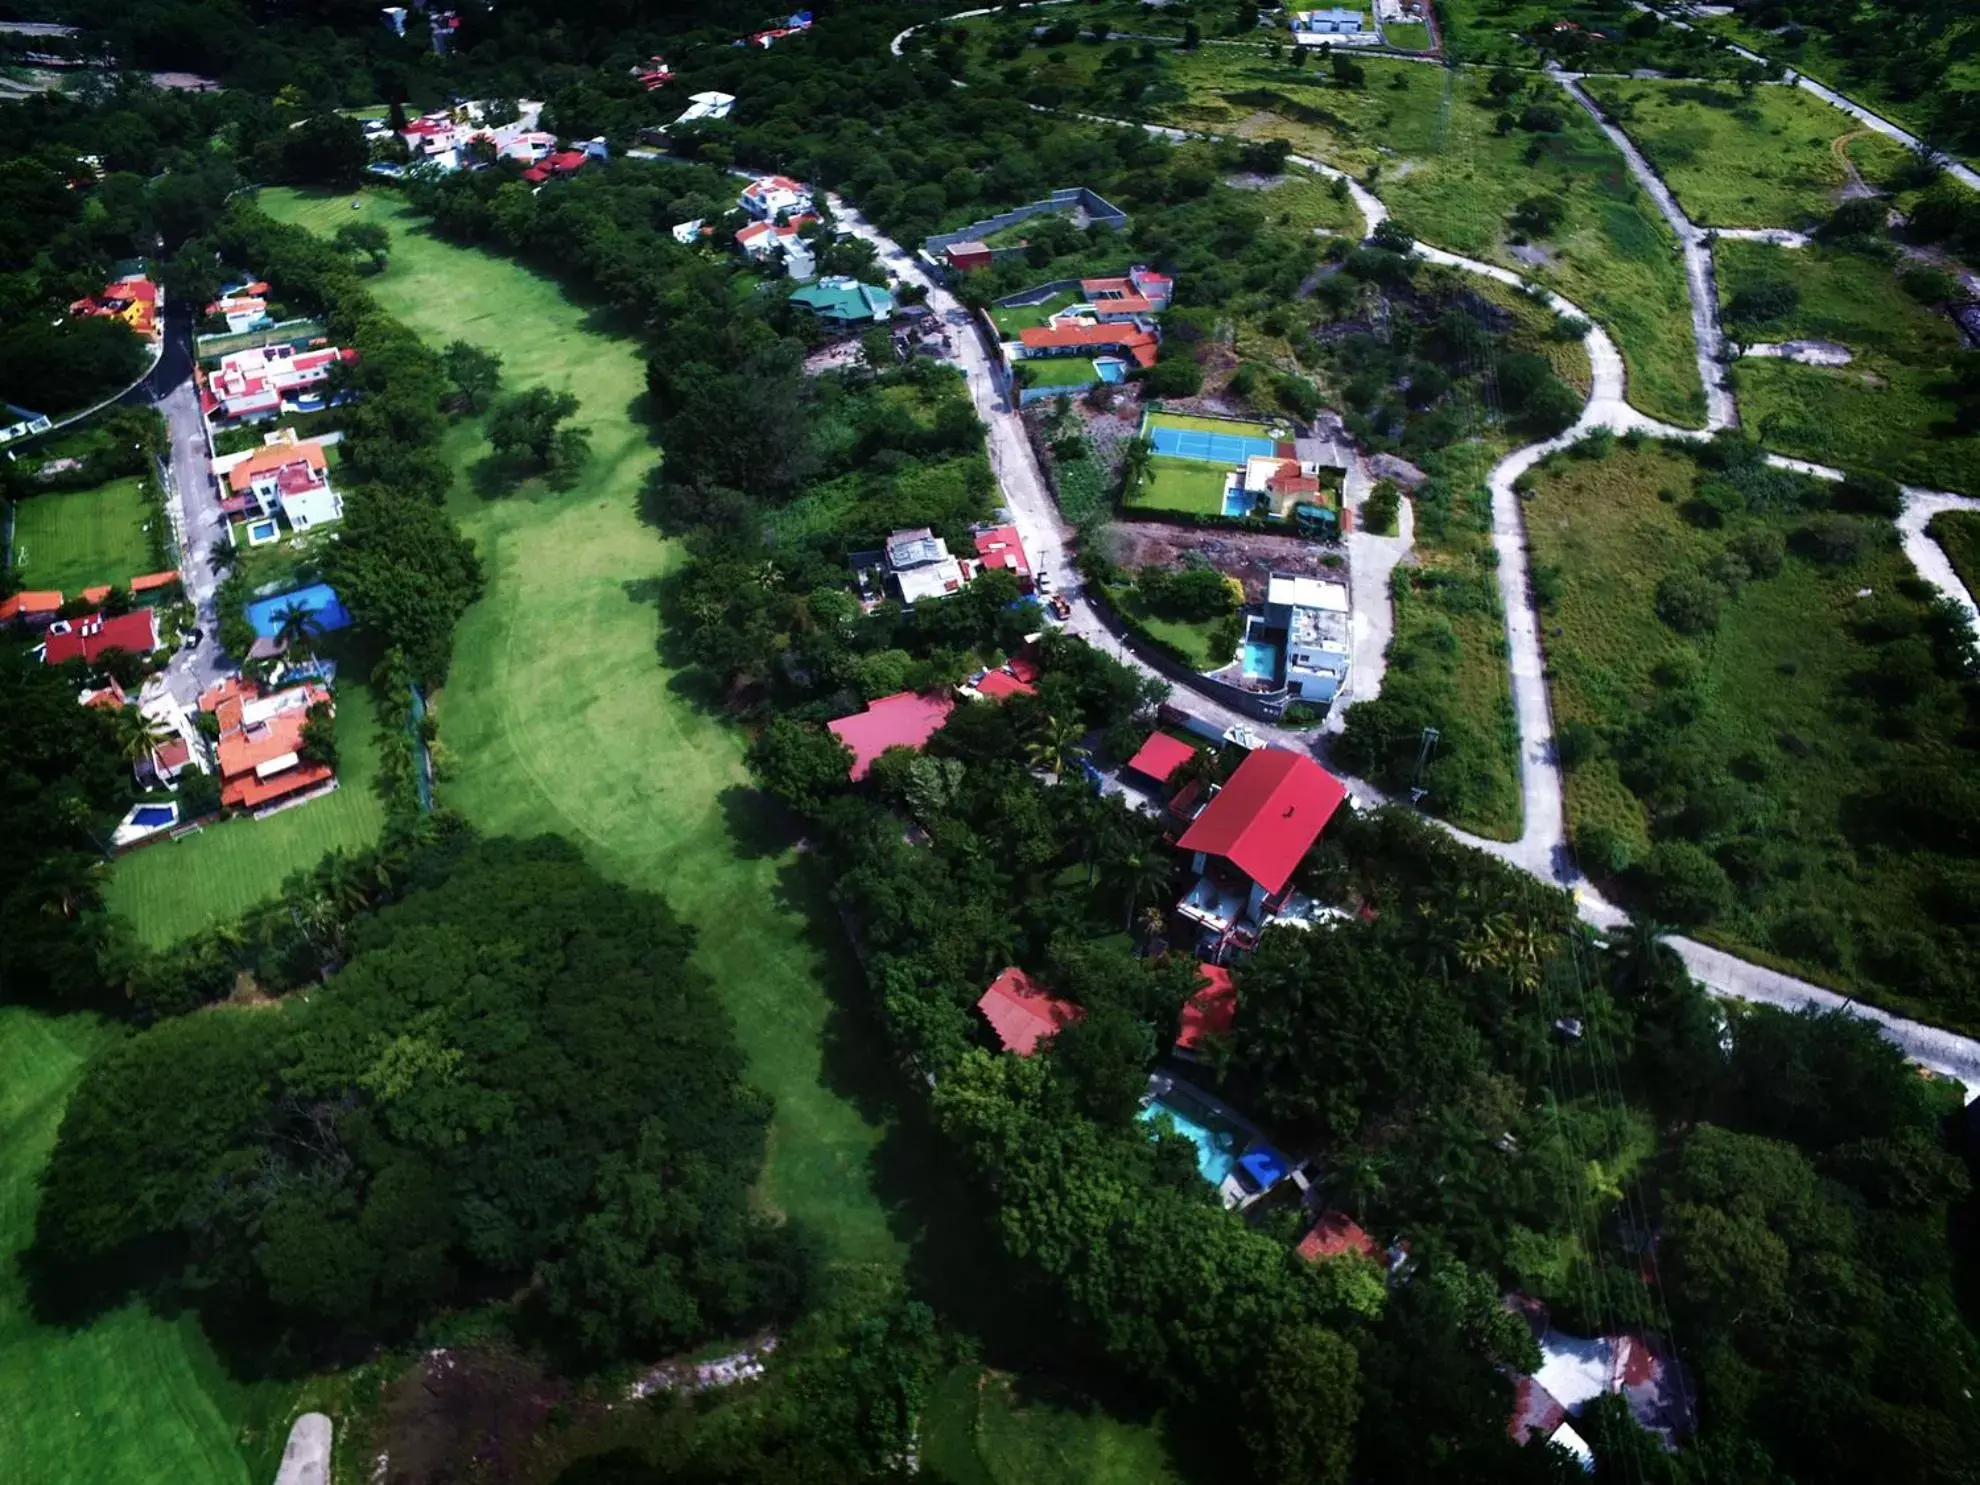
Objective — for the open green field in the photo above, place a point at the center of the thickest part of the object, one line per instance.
(1407, 36)
(562, 713)
(1771, 157)
(1882, 413)
(1301, 198)
(173, 889)
(1958, 531)
(131, 1396)
(1783, 743)
(80, 538)
(1817, 58)
(978, 1430)
(1189, 485)
(1426, 140)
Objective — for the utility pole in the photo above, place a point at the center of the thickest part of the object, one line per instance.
(1426, 749)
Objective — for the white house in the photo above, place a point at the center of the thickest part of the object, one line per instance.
(771, 197)
(707, 106)
(919, 562)
(1319, 635)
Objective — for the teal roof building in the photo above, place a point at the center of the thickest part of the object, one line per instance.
(846, 301)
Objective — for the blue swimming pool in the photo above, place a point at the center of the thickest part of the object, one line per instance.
(1239, 501)
(1111, 371)
(1216, 1149)
(151, 816)
(1261, 659)
(259, 531)
(319, 598)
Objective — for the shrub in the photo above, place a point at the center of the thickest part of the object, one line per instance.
(1761, 548)
(1870, 495)
(1834, 540)
(1685, 884)
(1860, 218)
(1756, 304)
(1601, 849)
(1688, 602)
(1378, 512)
(1392, 235)
(1930, 285)
(1576, 742)
(1174, 376)
(1541, 118)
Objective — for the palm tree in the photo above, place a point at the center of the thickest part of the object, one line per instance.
(139, 736)
(296, 628)
(1643, 960)
(1361, 1179)
(1140, 876)
(1055, 747)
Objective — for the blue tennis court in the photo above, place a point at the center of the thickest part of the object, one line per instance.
(1212, 448)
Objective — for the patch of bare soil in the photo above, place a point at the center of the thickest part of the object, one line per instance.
(1249, 556)
(471, 1414)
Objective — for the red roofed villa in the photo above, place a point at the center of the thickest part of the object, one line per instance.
(261, 742)
(556, 167)
(1211, 1012)
(1023, 1013)
(92, 637)
(1142, 292)
(907, 719)
(1084, 338)
(1250, 838)
(1001, 546)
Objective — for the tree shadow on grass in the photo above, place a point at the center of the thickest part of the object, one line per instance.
(760, 827)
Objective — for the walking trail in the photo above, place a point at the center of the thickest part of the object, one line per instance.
(1543, 848)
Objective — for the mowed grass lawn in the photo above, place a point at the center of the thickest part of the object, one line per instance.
(979, 1429)
(80, 538)
(1011, 318)
(561, 715)
(173, 889)
(1781, 720)
(1062, 371)
(1882, 413)
(130, 1396)
(1189, 485)
(1774, 157)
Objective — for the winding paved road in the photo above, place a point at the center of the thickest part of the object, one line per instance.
(1543, 849)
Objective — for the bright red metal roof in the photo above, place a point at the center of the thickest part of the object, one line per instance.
(1212, 1010)
(1023, 1012)
(907, 719)
(1268, 816)
(1161, 756)
(93, 636)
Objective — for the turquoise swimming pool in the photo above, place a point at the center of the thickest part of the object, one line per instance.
(1261, 659)
(1216, 1149)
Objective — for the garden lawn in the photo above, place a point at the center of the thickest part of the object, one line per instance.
(1062, 371)
(563, 713)
(1406, 36)
(1773, 157)
(1190, 485)
(977, 1430)
(1958, 531)
(1880, 414)
(78, 539)
(1784, 739)
(128, 1396)
(1012, 318)
(173, 889)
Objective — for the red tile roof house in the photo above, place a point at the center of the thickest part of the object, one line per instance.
(1209, 1013)
(1023, 1013)
(261, 741)
(1335, 1234)
(1001, 546)
(1142, 292)
(1251, 837)
(907, 719)
(1082, 338)
(34, 609)
(92, 637)
(556, 167)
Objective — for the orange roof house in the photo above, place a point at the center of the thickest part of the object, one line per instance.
(1023, 1013)
(261, 742)
(1077, 338)
(1337, 1233)
(30, 608)
(274, 459)
(133, 300)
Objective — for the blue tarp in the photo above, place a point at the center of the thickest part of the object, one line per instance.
(319, 598)
(1264, 1165)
